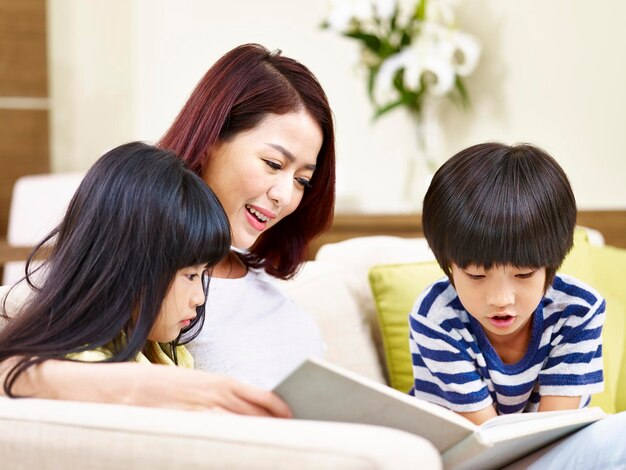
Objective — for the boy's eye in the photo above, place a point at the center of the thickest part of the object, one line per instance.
(305, 183)
(475, 277)
(273, 165)
(525, 275)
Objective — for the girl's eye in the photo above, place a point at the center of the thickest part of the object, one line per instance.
(305, 183)
(191, 277)
(273, 165)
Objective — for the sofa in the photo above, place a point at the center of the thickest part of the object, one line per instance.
(358, 291)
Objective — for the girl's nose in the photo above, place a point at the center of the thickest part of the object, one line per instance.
(198, 298)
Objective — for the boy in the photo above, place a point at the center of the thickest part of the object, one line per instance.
(504, 333)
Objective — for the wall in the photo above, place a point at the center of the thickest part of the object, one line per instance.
(91, 65)
(552, 73)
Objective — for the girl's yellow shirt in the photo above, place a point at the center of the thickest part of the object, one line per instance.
(156, 349)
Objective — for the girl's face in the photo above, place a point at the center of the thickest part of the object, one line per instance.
(502, 298)
(260, 175)
(179, 305)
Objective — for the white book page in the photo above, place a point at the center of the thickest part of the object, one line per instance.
(508, 426)
(320, 390)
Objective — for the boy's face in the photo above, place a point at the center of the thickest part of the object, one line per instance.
(502, 298)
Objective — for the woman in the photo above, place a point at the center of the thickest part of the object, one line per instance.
(259, 130)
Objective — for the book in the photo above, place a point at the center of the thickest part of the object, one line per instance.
(319, 390)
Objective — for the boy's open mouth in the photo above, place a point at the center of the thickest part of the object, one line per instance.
(502, 321)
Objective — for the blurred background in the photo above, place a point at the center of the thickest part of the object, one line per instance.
(78, 77)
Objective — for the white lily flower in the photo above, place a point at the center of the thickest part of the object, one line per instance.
(383, 88)
(438, 75)
(385, 8)
(429, 60)
(436, 56)
(441, 11)
(406, 8)
(342, 12)
(464, 53)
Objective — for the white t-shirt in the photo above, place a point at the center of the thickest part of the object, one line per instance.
(252, 332)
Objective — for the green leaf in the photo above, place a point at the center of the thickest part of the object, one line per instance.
(420, 10)
(388, 107)
(371, 81)
(394, 18)
(369, 40)
(460, 86)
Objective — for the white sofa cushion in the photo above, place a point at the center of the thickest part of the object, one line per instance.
(52, 434)
(328, 292)
(358, 255)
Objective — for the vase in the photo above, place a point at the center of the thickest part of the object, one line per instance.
(420, 163)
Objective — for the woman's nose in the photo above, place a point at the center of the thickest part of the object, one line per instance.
(281, 191)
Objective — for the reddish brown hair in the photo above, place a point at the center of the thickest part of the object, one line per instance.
(242, 88)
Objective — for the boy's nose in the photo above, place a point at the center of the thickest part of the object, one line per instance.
(501, 297)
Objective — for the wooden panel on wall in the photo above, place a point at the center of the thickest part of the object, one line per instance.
(23, 67)
(23, 96)
(612, 225)
(23, 151)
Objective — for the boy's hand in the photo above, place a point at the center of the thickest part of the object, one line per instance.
(479, 417)
(553, 403)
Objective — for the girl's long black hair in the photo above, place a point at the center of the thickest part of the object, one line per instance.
(138, 217)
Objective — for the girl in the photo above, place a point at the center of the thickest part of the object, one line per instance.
(127, 276)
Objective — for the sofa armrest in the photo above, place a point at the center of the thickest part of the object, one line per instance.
(48, 434)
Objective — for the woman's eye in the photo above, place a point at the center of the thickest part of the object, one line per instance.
(273, 165)
(305, 183)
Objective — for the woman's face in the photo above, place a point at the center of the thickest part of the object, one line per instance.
(260, 175)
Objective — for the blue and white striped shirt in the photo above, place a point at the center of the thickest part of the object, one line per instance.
(455, 365)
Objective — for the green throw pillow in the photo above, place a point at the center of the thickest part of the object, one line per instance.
(395, 289)
(610, 269)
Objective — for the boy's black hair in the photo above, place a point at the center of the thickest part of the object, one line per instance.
(494, 204)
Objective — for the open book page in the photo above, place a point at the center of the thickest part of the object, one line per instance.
(504, 439)
(505, 426)
(319, 390)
